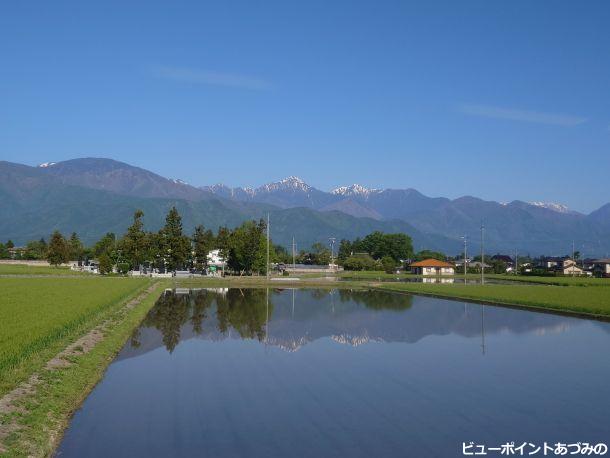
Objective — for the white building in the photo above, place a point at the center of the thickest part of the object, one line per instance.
(215, 261)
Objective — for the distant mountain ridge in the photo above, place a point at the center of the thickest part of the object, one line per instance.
(98, 194)
(115, 176)
(536, 227)
(95, 196)
(295, 188)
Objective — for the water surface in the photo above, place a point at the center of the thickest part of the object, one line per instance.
(227, 373)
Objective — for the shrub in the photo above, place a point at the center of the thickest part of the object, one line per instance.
(361, 262)
(123, 268)
(388, 264)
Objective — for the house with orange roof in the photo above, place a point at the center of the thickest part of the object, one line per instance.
(432, 267)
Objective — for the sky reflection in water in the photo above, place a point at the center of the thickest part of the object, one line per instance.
(337, 373)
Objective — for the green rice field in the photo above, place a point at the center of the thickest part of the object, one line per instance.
(23, 269)
(39, 316)
(578, 297)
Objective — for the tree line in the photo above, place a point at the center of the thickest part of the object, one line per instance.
(376, 251)
(244, 248)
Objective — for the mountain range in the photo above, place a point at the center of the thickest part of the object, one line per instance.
(95, 195)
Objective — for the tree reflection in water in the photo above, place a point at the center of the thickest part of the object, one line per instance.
(377, 300)
(244, 310)
(168, 315)
(200, 303)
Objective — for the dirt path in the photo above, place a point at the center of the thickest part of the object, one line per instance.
(13, 401)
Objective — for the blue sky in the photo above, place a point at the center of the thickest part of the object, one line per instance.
(502, 100)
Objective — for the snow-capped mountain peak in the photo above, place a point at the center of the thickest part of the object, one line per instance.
(353, 190)
(559, 208)
(216, 187)
(44, 165)
(291, 182)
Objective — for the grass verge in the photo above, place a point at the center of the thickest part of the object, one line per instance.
(586, 301)
(557, 281)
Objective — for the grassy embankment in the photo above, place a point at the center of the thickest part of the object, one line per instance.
(41, 317)
(557, 281)
(584, 296)
(577, 298)
(23, 269)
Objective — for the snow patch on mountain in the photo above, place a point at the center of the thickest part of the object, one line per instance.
(44, 165)
(224, 190)
(179, 181)
(559, 208)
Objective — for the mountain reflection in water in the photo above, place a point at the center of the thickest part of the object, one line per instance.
(335, 373)
(290, 319)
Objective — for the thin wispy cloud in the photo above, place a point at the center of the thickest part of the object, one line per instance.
(537, 117)
(189, 75)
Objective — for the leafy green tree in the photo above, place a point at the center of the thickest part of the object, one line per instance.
(279, 253)
(133, 244)
(223, 242)
(76, 247)
(203, 243)
(36, 250)
(10, 244)
(107, 244)
(4, 253)
(345, 250)
(176, 246)
(428, 254)
(154, 253)
(58, 251)
(247, 248)
(497, 266)
(320, 254)
(389, 264)
(105, 263)
(378, 245)
(361, 262)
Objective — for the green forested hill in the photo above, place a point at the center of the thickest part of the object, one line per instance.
(33, 204)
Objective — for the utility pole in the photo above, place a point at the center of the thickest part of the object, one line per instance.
(332, 252)
(482, 255)
(516, 262)
(294, 250)
(465, 264)
(573, 260)
(267, 247)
